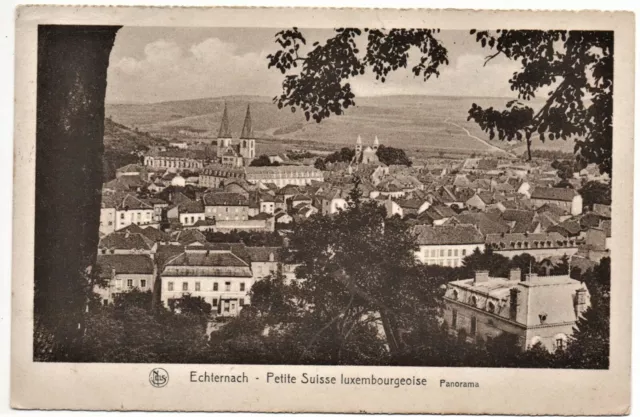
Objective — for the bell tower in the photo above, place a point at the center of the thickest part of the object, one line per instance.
(247, 140)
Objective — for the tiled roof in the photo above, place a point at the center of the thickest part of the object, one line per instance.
(125, 241)
(527, 240)
(262, 253)
(409, 203)
(125, 264)
(188, 236)
(447, 235)
(191, 207)
(602, 210)
(208, 263)
(551, 193)
(483, 222)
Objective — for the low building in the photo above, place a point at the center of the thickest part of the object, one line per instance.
(124, 273)
(446, 245)
(565, 198)
(265, 260)
(225, 206)
(108, 206)
(536, 309)
(188, 212)
(133, 210)
(219, 276)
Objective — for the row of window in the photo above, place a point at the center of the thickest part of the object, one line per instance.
(192, 219)
(226, 209)
(175, 164)
(130, 283)
(435, 253)
(138, 216)
(198, 286)
(444, 262)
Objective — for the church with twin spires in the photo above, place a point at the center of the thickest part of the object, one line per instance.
(242, 153)
(366, 155)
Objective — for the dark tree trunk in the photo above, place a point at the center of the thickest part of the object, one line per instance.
(71, 86)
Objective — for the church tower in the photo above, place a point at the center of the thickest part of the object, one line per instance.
(225, 132)
(376, 144)
(247, 141)
(358, 146)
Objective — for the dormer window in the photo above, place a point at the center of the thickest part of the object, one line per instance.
(473, 301)
(455, 294)
(491, 307)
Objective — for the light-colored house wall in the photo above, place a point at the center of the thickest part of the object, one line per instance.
(107, 220)
(446, 255)
(208, 293)
(126, 217)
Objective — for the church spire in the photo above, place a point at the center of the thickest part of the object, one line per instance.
(247, 129)
(224, 131)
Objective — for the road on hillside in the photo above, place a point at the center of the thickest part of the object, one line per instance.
(493, 147)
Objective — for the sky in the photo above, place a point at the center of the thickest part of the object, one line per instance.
(150, 64)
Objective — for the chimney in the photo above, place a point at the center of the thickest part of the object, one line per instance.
(515, 274)
(581, 300)
(514, 301)
(481, 276)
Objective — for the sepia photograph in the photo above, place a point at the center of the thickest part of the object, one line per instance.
(354, 195)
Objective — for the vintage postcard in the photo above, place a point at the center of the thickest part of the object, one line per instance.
(323, 210)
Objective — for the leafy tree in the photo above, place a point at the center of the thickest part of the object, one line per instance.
(320, 164)
(264, 161)
(392, 156)
(588, 347)
(135, 298)
(189, 305)
(576, 65)
(318, 86)
(565, 168)
(497, 265)
(595, 192)
(343, 155)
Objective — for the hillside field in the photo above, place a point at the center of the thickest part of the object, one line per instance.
(418, 124)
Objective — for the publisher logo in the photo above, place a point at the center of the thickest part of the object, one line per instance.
(158, 377)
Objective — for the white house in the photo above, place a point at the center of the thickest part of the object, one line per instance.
(219, 276)
(446, 245)
(132, 210)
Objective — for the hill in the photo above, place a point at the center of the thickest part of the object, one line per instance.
(418, 124)
(121, 144)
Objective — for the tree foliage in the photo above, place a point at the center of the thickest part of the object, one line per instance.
(576, 66)
(393, 156)
(595, 192)
(319, 86)
(343, 155)
(264, 161)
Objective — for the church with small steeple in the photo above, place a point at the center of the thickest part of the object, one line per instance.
(242, 153)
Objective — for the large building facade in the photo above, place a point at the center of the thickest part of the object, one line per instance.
(531, 309)
(219, 276)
